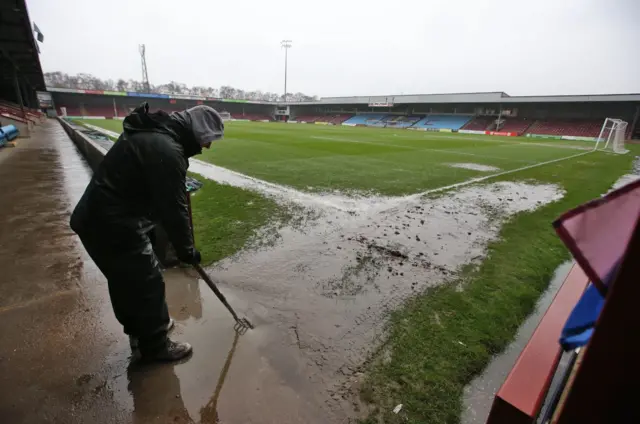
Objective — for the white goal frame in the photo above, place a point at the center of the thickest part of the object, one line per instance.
(613, 134)
(226, 116)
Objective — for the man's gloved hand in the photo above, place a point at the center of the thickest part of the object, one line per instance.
(193, 258)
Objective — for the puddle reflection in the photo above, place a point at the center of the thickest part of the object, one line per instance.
(209, 412)
(157, 393)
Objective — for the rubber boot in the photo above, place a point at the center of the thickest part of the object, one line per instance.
(171, 351)
(133, 341)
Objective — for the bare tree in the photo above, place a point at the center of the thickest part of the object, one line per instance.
(56, 79)
(121, 85)
(83, 81)
(227, 92)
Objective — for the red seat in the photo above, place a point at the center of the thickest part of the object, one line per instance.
(479, 123)
(573, 127)
(516, 125)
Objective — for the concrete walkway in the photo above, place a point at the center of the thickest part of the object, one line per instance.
(63, 357)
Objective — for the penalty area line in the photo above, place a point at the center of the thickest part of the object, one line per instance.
(499, 174)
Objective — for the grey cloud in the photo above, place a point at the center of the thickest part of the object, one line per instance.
(352, 47)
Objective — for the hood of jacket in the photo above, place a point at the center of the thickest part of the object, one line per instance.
(202, 122)
(141, 120)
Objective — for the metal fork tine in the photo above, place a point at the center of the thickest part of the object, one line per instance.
(242, 324)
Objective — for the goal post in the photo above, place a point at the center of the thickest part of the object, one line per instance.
(226, 116)
(612, 136)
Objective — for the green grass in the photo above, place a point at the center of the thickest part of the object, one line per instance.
(445, 337)
(114, 125)
(385, 161)
(225, 218)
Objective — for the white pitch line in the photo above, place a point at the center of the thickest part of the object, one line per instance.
(463, 137)
(499, 174)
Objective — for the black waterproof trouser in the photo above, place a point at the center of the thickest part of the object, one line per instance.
(136, 286)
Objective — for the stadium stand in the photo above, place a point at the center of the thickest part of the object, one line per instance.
(574, 127)
(402, 121)
(23, 119)
(515, 125)
(308, 118)
(21, 75)
(71, 111)
(333, 119)
(88, 110)
(366, 119)
(479, 123)
(251, 116)
(106, 111)
(437, 122)
(578, 118)
(22, 124)
(32, 115)
(339, 119)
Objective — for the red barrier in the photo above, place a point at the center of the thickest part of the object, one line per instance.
(14, 117)
(520, 398)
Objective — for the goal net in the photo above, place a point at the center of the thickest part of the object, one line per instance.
(612, 136)
(226, 116)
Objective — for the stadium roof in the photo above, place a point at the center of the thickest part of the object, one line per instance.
(487, 97)
(497, 97)
(18, 47)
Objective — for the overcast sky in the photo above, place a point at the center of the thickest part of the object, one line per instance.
(352, 47)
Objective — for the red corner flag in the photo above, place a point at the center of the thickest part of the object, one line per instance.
(598, 232)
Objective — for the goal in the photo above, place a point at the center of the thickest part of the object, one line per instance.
(226, 116)
(612, 136)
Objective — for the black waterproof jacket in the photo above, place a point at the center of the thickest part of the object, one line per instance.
(141, 180)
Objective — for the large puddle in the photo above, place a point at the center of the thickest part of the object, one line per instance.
(330, 284)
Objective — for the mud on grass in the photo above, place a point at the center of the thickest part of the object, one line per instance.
(439, 341)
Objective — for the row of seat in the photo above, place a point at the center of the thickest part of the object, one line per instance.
(23, 118)
(251, 116)
(331, 119)
(479, 123)
(434, 121)
(559, 127)
(580, 128)
(515, 125)
(440, 122)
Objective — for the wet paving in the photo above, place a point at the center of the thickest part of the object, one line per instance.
(63, 357)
